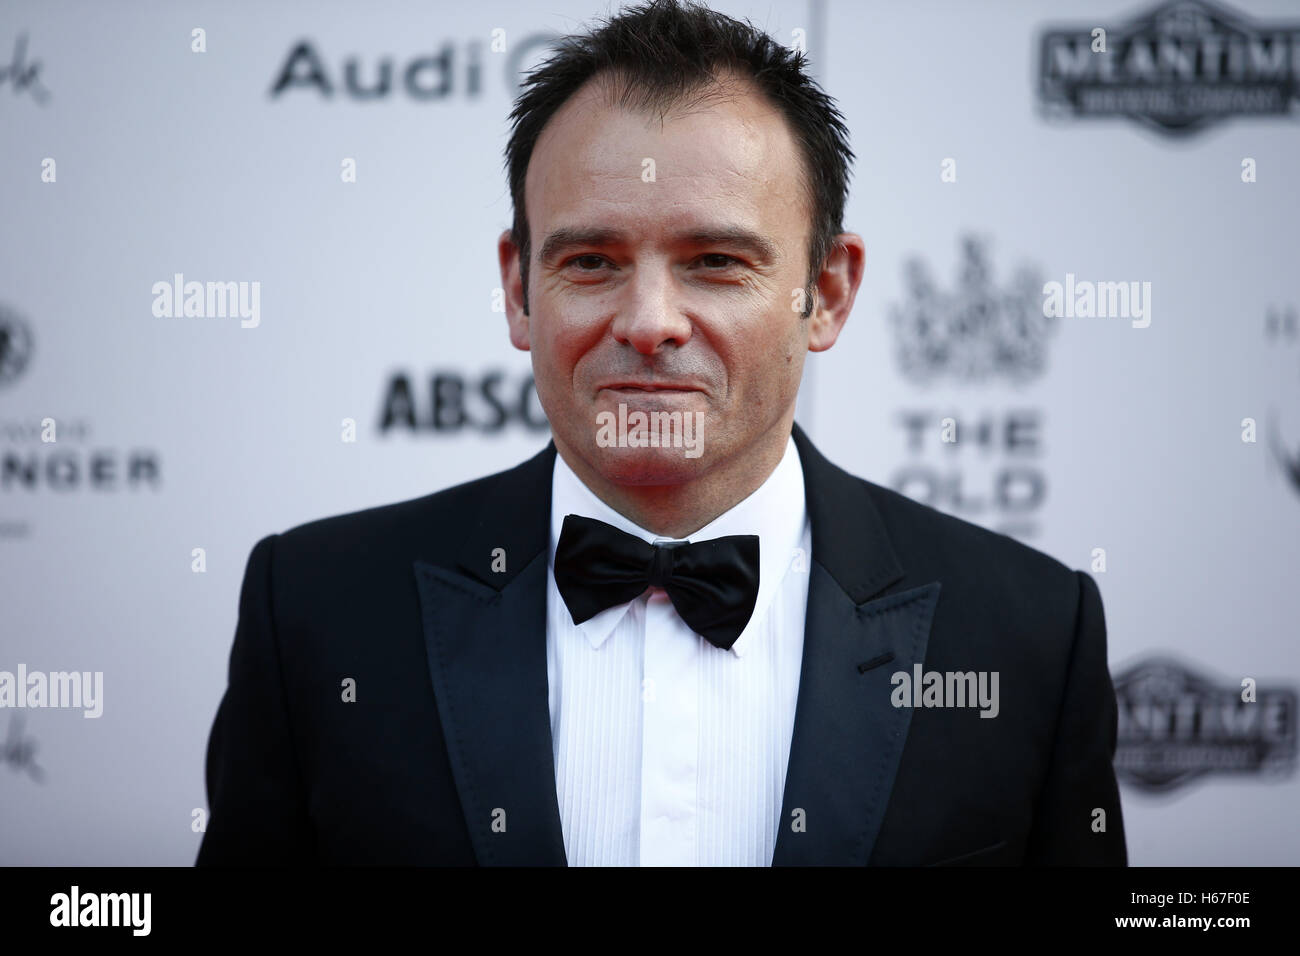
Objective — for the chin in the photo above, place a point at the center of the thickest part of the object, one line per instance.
(646, 466)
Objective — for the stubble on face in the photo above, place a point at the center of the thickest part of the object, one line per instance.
(633, 301)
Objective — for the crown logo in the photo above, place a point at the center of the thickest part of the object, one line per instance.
(977, 331)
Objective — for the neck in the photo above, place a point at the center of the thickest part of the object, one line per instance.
(679, 510)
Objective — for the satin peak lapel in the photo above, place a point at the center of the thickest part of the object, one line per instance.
(486, 639)
(848, 737)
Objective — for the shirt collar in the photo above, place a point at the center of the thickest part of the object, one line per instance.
(775, 511)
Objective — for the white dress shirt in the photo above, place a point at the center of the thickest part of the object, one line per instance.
(670, 751)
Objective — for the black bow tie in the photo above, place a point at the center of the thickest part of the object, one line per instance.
(713, 584)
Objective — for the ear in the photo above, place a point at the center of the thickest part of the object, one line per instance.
(512, 286)
(837, 287)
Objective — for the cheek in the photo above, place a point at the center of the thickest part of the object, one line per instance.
(566, 340)
(770, 358)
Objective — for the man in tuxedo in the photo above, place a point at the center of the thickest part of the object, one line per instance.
(678, 635)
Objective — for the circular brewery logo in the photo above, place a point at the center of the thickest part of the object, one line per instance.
(15, 345)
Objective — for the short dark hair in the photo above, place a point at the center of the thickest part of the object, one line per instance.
(664, 52)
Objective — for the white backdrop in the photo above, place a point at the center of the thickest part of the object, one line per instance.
(172, 161)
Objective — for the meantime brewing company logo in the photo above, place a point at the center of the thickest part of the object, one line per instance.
(1181, 67)
(52, 453)
(981, 465)
(1176, 725)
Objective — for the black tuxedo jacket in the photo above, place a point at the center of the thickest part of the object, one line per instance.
(450, 729)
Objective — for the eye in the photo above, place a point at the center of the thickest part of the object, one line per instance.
(717, 260)
(592, 260)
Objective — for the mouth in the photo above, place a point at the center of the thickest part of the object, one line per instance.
(647, 387)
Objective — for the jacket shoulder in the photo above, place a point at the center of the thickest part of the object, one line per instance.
(431, 527)
(930, 541)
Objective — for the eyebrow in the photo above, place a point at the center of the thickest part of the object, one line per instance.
(735, 236)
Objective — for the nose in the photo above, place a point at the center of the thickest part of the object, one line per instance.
(648, 317)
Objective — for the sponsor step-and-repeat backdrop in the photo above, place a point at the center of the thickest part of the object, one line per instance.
(248, 279)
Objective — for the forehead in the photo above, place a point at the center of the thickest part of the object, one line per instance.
(729, 153)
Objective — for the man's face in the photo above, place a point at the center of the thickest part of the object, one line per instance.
(667, 267)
